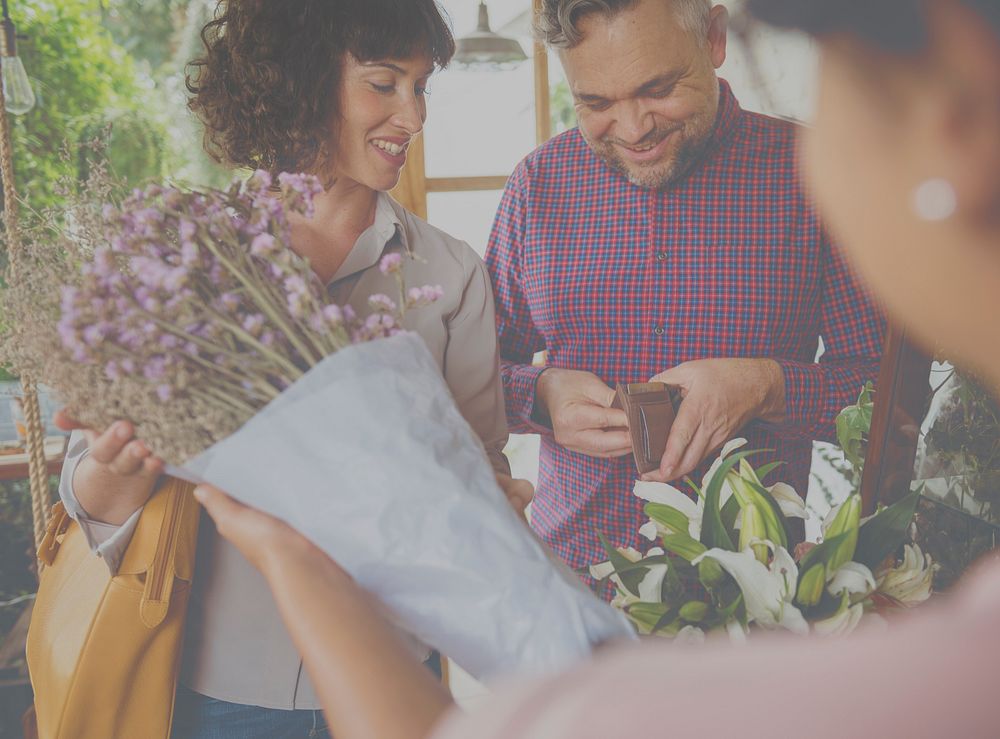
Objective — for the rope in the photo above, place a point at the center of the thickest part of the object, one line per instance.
(34, 429)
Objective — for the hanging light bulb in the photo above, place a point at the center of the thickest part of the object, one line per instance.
(483, 48)
(18, 95)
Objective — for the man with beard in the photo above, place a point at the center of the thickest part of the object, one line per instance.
(666, 238)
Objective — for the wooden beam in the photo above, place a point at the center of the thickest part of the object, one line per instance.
(411, 192)
(901, 398)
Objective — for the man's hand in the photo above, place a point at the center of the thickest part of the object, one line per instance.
(579, 407)
(721, 396)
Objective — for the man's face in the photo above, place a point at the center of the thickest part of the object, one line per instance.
(645, 89)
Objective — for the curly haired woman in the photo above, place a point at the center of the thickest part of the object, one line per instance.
(335, 88)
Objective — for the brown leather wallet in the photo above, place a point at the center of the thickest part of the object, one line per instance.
(650, 408)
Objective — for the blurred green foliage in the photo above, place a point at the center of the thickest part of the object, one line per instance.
(85, 83)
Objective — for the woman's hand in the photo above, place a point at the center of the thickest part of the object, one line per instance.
(118, 474)
(519, 492)
(263, 539)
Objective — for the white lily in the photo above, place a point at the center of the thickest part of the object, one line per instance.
(853, 578)
(664, 494)
(728, 448)
(790, 502)
(690, 635)
(650, 587)
(910, 582)
(843, 622)
(767, 590)
(737, 633)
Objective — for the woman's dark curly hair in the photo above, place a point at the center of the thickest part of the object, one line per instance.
(267, 87)
(897, 26)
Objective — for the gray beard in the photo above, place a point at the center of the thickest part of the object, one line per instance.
(687, 158)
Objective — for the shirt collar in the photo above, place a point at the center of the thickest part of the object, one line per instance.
(727, 116)
(372, 242)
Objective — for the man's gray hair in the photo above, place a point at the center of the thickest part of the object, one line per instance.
(557, 22)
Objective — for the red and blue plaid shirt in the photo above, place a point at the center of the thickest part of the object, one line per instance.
(626, 282)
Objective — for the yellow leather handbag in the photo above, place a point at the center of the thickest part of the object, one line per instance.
(103, 652)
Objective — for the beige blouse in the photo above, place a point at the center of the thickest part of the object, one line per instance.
(236, 648)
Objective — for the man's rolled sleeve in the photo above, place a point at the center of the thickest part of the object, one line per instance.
(852, 328)
(107, 541)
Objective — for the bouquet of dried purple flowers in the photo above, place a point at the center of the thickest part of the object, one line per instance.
(191, 297)
(187, 313)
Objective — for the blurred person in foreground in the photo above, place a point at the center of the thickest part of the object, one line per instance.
(905, 162)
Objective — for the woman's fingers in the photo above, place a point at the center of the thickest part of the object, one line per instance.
(108, 445)
(64, 419)
(130, 460)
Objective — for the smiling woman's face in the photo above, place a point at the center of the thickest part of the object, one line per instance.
(383, 107)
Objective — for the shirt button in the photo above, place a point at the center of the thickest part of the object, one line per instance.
(661, 256)
(658, 330)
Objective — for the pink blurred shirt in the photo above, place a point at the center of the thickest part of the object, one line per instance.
(932, 674)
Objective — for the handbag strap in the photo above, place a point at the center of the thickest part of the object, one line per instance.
(159, 585)
(59, 521)
(175, 501)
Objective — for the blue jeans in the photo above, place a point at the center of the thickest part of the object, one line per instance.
(197, 716)
(200, 717)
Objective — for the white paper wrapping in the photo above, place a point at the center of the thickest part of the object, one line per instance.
(369, 457)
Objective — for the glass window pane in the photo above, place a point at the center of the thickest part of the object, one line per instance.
(957, 470)
(465, 215)
(482, 122)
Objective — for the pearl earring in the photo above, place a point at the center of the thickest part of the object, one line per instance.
(935, 200)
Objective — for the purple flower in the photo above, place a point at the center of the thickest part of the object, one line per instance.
(186, 230)
(259, 181)
(229, 301)
(190, 256)
(253, 324)
(333, 314)
(381, 302)
(164, 392)
(155, 369)
(391, 263)
(263, 245)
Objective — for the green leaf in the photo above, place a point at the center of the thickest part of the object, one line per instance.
(853, 426)
(630, 576)
(822, 553)
(683, 545)
(767, 469)
(883, 534)
(654, 617)
(668, 516)
(713, 531)
(811, 585)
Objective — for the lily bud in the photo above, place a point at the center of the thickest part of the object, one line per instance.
(752, 533)
(847, 521)
(811, 586)
(694, 611)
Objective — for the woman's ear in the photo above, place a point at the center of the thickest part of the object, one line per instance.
(964, 70)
